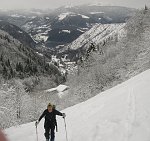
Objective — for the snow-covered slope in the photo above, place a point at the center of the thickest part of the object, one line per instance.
(98, 34)
(118, 114)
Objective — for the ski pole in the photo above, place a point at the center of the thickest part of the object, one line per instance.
(36, 133)
(66, 129)
(56, 128)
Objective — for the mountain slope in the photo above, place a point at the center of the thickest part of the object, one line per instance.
(18, 60)
(120, 113)
(100, 33)
(17, 33)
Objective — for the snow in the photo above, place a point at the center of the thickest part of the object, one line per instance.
(1, 112)
(30, 22)
(63, 15)
(83, 16)
(43, 26)
(33, 17)
(40, 54)
(20, 32)
(40, 37)
(98, 34)
(67, 31)
(51, 90)
(96, 13)
(17, 16)
(47, 18)
(4, 108)
(61, 45)
(80, 30)
(55, 59)
(60, 88)
(41, 31)
(121, 113)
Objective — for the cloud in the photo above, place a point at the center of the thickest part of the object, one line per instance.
(27, 4)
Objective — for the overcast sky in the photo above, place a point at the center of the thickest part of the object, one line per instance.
(42, 4)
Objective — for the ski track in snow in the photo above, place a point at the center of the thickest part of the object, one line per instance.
(131, 113)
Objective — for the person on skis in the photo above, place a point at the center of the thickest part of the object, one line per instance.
(50, 121)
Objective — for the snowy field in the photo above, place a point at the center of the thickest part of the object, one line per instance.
(118, 114)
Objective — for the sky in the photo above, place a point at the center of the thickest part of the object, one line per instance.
(52, 4)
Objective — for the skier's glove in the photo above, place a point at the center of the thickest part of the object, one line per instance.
(64, 115)
(36, 123)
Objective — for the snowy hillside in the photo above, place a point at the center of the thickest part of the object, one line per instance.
(100, 33)
(118, 114)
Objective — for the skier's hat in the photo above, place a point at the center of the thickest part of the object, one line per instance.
(49, 105)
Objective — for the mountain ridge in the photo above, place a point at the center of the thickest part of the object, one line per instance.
(45, 27)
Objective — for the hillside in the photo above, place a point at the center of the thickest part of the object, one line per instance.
(120, 113)
(18, 60)
(24, 74)
(103, 65)
(18, 34)
(99, 34)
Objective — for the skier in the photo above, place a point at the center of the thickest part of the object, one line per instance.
(50, 121)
